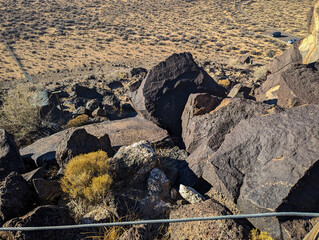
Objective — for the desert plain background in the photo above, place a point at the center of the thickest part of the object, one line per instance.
(51, 37)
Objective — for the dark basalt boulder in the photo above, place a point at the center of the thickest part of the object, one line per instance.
(164, 92)
(10, 159)
(299, 85)
(268, 164)
(79, 141)
(121, 132)
(16, 197)
(42, 216)
(212, 125)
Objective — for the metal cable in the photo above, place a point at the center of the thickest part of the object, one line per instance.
(156, 221)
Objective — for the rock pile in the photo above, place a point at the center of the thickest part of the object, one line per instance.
(240, 155)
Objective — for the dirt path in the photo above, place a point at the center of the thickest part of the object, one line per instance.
(285, 37)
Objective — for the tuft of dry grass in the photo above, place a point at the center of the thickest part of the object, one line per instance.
(86, 177)
(20, 111)
(78, 121)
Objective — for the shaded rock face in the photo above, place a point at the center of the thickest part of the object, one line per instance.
(10, 159)
(164, 92)
(16, 197)
(220, 229)
(78, 141)
(42, 216)
(212, 127)
(309, 46)
(270, 163)
(121, 132)
(299, 85)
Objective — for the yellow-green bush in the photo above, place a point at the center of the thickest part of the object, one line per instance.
(78, 121)
(255, 234)
(86, 176)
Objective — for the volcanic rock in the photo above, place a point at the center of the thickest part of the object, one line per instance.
(16, 197)
(164, 92)
(217, 121)
(79, 141)
(121, 132)
(41, 216)
(10, 159)
(270, 163)
(220, 229)
(299, 85)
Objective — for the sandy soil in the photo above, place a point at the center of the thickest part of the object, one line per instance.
(50, 36)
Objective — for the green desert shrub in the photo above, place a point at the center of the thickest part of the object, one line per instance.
(20, 111)
(86, 176)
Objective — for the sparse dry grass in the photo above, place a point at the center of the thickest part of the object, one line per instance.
(286, 15)
(65, 35)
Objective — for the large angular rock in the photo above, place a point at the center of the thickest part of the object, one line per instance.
(121, 132)
(10, 159)
(212, 125)
(48, 191)
(164, 92)
(79, 141)
(269, 89)
(16, 197)
(41, 216)
(270, 163)
(220, 229)
(299, 85)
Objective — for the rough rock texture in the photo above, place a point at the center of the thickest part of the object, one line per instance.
(121, 132)
(218, 121)
(132, 163)
(41, 216)
(298, 229)
(139, 232)
(79, 141)
(269, 89)
(10, 159)
(220, 229)
(158, 184)
(299, 85)
(164, 92)
(48, 191)
(16, 197)
(309, 46)
(172, 162)
(190, 194)
(98, 215)
(36, 173)
(270, 163)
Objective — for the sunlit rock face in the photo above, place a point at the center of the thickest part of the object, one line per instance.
(309, 46)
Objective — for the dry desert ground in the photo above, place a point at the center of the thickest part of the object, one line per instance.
(50, 36)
